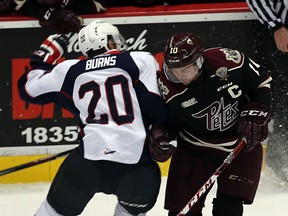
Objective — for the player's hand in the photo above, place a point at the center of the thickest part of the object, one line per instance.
(253, 124)
(61, 20)
(50, 50)
(158, 141)
(281, 39)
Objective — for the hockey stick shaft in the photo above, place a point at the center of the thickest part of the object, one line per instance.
(34, 163)
(213, 178)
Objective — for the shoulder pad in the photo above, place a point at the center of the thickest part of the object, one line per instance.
(216, 58)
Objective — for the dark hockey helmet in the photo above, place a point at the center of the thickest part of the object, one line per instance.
(182, 49)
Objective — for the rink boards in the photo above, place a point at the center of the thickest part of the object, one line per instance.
(40, 173)
(28, 131)
(46, 171)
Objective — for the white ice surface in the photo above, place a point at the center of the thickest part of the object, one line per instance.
(24, 199)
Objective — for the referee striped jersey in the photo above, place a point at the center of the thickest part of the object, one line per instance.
(270, 12)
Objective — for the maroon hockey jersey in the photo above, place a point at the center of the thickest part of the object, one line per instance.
(204, 113)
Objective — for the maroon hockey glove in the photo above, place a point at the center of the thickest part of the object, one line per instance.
(61, 20)
(253, 123)
(6, 6)
(50, 50)
(160, 149)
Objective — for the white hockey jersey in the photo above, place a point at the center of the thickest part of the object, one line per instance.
(110, 94)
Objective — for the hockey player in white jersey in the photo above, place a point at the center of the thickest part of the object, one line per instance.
(114, 96)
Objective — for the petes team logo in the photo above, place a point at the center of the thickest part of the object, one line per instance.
(219, 116)
(232, 55)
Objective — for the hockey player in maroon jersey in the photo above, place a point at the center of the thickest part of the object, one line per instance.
(115, 97)
(214, 97)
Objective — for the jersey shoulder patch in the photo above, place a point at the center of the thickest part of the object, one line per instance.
(220, 59)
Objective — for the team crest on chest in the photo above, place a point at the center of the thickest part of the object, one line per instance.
(218, 115)
(222, 72)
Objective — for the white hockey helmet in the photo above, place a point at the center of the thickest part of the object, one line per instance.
(97, 34)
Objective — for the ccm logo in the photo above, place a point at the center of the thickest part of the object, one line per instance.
(254, 113)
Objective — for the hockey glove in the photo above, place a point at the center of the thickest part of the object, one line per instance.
(61, 20)
(50, 51)
(158, 141)
(253, 124)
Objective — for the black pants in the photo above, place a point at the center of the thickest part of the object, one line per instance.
(223, 205)
(78, 179)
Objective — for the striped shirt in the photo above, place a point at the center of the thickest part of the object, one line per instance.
(273, 13)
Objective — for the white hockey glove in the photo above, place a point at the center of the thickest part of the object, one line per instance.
(50, 51)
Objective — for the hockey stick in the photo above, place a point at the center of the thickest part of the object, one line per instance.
(213, 178)
(34, 163)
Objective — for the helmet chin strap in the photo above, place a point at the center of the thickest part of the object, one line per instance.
(199, 62)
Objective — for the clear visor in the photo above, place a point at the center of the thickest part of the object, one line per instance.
(169, 74)
(184, 74)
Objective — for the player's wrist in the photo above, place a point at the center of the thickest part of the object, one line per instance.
(277, 26)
